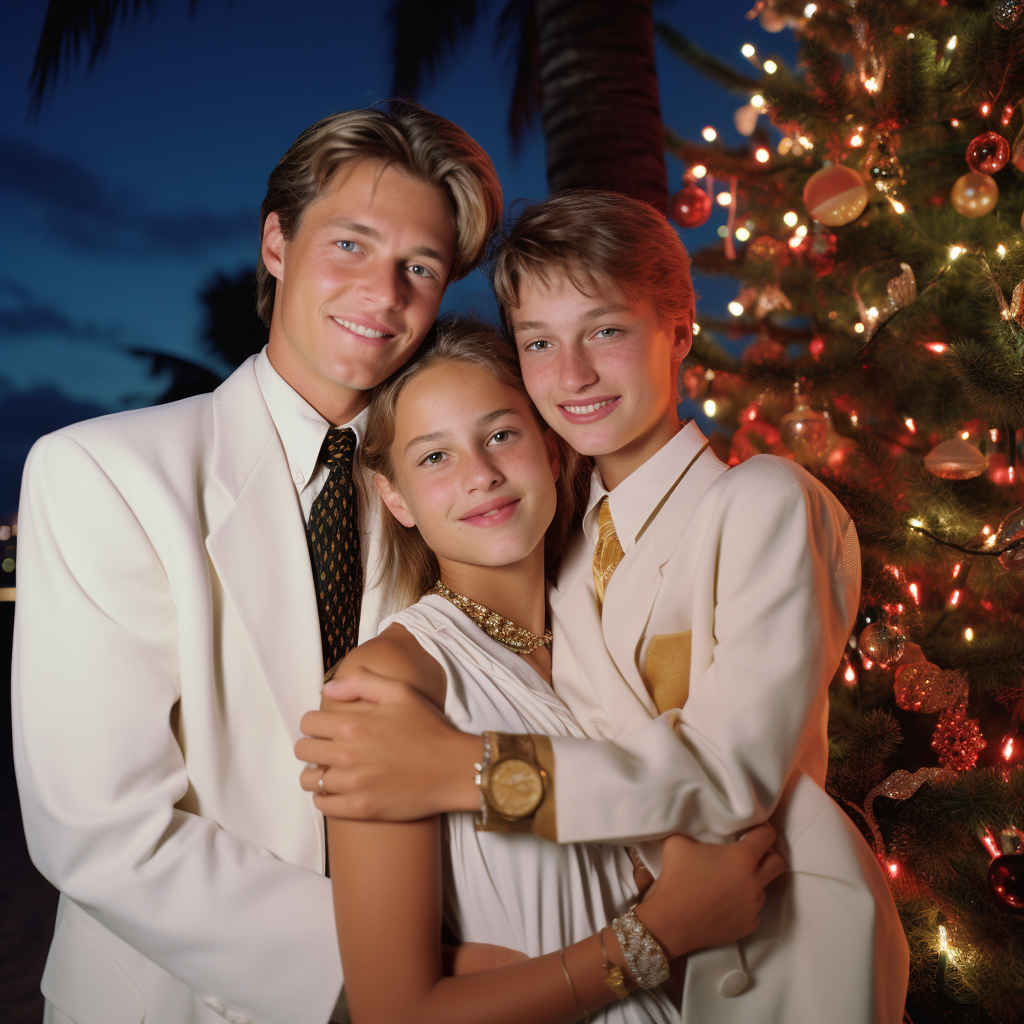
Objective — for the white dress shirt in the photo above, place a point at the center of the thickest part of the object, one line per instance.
(302, 431)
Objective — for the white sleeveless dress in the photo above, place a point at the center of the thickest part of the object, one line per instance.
(517, 890)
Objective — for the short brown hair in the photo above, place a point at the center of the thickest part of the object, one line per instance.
(589, 236)
(408, 567)
(403, 133)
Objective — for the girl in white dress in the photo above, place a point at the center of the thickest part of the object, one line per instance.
(468, 475)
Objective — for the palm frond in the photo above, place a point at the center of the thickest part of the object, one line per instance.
(424, 32)
(710, 67)
(71, 26)
(519, 35)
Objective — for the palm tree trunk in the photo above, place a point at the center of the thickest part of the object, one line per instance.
(602, 116)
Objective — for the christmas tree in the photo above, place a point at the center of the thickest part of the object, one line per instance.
(876, 232)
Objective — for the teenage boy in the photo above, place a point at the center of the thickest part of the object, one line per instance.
(185, 573)
(698, 619)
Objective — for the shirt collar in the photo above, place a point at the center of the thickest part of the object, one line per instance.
(634, 502)
(301, 428)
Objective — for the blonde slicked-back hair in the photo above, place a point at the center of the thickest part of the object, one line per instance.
(408, 567)
(403, 133)
(592, 236)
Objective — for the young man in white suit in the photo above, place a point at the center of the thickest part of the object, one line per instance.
(169, 632)
(698, 619)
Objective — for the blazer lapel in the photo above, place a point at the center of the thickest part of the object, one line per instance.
(259, 548)
(636, 583)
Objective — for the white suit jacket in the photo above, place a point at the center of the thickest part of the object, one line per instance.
(735, 596)
(167, 644)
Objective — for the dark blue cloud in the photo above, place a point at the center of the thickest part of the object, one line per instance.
(83, 211)
(24, 316)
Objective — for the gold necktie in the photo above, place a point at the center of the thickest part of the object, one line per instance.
(608, 552)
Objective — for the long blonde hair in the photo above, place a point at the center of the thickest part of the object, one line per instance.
(408, 567)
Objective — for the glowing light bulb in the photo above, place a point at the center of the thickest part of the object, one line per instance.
(748, 51)
(954, 599)
(854, 419)
(894, 868)
(897, 205)
(986, 109)
(956, 570)
(964, 435)
(710, 407)
(723, 198)
(770, 67)
(986, 529)
(698, 171)
(914, 593)
(911, 425)
(1001, 249)
(761, 155)
(696, 330)
(795, 242)
(1007, 114)
(916, 524)
(850, 675)
(938, 347)
(910, 35)
(969, 634)
(757, 101)
(790, 218)
(951, 44)
(805, 142)
(736, 308)
(872, 85)
(954, 122)
(742, 234)
(1008, 748)
(990, 542)
(856, 140)
(859, 328)
(943, 939)
(993, 435)
(801, 232)
(709, 134)
(956, 251)
(810, 10)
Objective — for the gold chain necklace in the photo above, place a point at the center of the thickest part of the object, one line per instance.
(497, 627)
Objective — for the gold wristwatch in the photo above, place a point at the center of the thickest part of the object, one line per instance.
(511, 782)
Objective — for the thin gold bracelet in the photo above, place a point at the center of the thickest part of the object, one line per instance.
(614, 976)
(572, 988)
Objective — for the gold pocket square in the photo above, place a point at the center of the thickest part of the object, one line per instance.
(667, 671)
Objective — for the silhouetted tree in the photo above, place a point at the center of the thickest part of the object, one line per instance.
(587, 66)
(232, 330)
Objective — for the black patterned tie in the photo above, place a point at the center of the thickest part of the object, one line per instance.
(333, 533)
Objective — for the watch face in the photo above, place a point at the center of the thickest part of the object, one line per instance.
(516, 787)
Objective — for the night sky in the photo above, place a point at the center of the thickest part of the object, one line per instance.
(142, 178)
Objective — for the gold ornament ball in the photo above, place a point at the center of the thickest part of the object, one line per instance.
(805, 431)
(835, 195)
(974, 195)
(881, 643)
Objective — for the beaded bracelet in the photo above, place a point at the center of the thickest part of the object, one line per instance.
(644, 956)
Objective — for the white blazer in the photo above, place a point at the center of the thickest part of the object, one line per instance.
(167, 644)
(740, 587)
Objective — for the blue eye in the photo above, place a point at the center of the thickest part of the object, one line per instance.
(608, 332)
(347, 246)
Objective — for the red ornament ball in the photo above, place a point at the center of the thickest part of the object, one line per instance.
(690, 207)
(835, 195)
(819, 251)
(1006, 882)
(988, 153)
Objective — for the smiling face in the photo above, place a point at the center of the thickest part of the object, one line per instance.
(358, 284)
(601, 369)
(472, 470)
